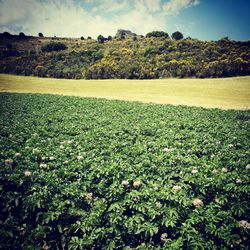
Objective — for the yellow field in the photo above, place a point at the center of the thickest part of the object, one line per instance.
(226, 93)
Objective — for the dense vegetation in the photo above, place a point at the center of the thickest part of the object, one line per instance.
(53, 47)
(153, 56)
(82, 173)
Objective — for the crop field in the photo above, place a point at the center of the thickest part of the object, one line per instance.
(85, 173)
(225, 93)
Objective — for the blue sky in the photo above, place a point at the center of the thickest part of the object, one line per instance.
(203, 19)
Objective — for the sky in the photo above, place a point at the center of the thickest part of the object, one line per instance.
(202, 19)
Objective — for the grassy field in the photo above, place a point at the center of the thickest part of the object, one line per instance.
(225, 93)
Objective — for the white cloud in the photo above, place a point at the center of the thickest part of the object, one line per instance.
(153, 5)
(66, 18)
(174, 6)
(111, 5)
(141, 20)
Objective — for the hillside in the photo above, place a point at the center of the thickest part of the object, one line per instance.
(125, 56)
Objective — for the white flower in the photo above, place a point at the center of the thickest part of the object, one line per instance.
(27, 173)
(18, 154)
(70, 141)
(244, 224)
(248, 167)
(158, 204)
(52, 158)
(230, 145)
(35, 150)
(8, 162)
(79, 157)
(66, 162)
(216, 199)
(167, 150)
(215, 171)
(194, 171)
(224, 170)
(44, 158)
(125, 182)
(164, 237)
(61, 147)
(176, 188)
(43, 165)
(197, 202)
(137, 184)
(238, 181)
(89, 197)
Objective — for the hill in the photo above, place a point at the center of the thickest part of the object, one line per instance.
(126, 56)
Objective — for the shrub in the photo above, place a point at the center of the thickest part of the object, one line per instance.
(6, 34)
(177, 35)
(40, 34)
(100, 39)
(22, 35)
(54, 47)
(158, 34)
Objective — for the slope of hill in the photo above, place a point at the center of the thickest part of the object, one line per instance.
(135, 57)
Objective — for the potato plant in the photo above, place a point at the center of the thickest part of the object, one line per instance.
(83, 173)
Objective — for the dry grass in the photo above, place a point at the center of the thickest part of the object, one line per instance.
(225, 93)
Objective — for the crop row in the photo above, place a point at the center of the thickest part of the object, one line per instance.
(82, 173)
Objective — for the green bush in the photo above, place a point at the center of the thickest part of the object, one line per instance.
(177, 35)
(53, 46)
(157, 34)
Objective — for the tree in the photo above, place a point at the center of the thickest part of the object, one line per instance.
(89, 38)
(6, 34)
(82, 38)
(21, 34)
(177, 35)
(109, 38)
(40, 34)
(100, 39)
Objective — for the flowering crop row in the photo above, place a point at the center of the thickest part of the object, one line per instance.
(79, 173)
